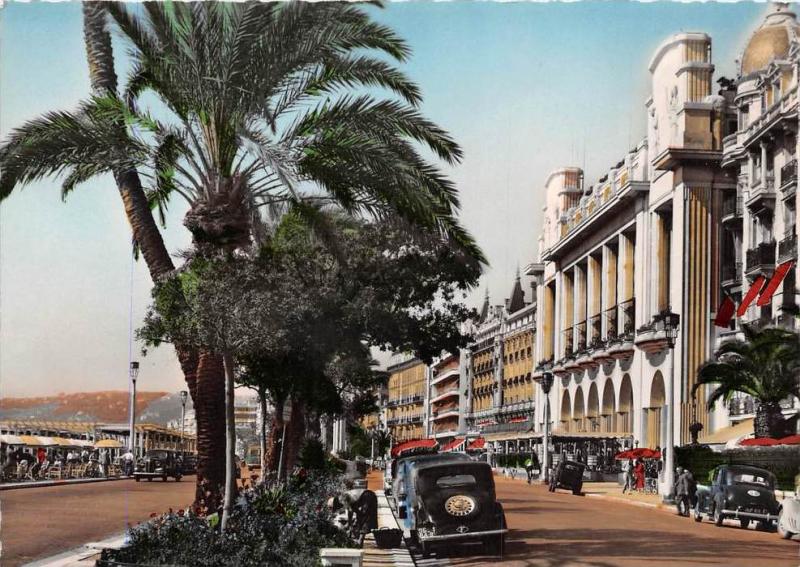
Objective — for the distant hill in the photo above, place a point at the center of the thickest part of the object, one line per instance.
(105, 406)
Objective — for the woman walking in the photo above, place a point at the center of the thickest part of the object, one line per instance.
(638, 474)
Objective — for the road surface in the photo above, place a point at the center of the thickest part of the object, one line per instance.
(565, 530)
(39, 522)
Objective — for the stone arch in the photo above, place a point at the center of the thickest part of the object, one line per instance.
(607, 422)
(566, 410)
(657, 390)
(625, 411)
(654, 413)
(593, 405)
(579, 410)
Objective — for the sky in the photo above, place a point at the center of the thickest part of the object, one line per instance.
(525, 88)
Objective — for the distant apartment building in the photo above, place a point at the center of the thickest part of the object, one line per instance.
(405, 398)
(446, 395)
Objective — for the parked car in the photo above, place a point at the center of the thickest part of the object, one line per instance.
(789, 517)
(401, 468)
(740, 492)
(568, 475)
(189, 463)
(158, 463)
(449, 501)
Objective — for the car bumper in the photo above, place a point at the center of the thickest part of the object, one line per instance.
(154, 474)
(460, 537)
(751, 515)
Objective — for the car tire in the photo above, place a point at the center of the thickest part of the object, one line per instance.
(719, 517)
(744, 523)
(137, 479)
(177, 478)
(784, 533)
(425, 550)
(577, 491)
(494, 545)
(149, 479)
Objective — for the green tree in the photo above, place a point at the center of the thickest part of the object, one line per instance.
(764, 365)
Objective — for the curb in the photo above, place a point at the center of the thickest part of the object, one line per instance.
(46, 483)
(626, 501)
(81, 556)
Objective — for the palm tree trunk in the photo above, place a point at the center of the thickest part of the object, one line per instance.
(103, 78)
(275, 434)
(230, 441)
(769, 421)
(210, 412)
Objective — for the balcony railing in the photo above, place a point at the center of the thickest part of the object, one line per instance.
(731, 206)
(628, 313)
(568, 341)
(731, 273)
(506, 427)
(789, 175)
(761, 257)
(787, 248)
(747, 405)
(611, 323)
(595, 324)
(581, 342)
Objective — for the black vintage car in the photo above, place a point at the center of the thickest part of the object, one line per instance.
(158, 463)
(453, 502)
(739, 492)
(568, 475)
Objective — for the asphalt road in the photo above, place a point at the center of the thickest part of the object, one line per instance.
(39, 522)
(565, 530)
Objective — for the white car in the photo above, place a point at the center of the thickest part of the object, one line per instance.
(789, 518)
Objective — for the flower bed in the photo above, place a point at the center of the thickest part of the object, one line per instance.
(271, 525)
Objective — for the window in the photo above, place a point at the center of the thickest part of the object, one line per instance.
(455, 480)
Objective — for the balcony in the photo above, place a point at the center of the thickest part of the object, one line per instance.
(520, 426)
(787, 248)
(449, 392)
(746, 406)
(628, 309)
(789, 179)
(568, 341)
(595, 329)
(731, 208)
(731, 274)
(761, 258)
(445, 375)
(762, 194)
(444, 413)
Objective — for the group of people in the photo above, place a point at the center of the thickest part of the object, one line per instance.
(640, 475)
(19, 464)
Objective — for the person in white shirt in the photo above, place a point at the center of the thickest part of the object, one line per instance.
(127, 463)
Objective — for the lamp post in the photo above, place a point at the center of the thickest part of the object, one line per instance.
(133, 373)
(668, 322)
(184, 395)
(546, 382)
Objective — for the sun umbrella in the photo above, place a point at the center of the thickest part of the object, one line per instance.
(760, 442)
(791, 440)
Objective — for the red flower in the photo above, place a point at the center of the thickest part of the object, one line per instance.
(180, 512)
(153, 514)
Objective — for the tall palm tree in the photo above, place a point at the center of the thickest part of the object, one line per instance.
(260, 106)
(765, 365)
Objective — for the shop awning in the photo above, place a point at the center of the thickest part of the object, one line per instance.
(751, 294)
(731, 433)
(477, 445)
(11, 440)
(774, 282)
(591, 435)
(415, 446)
(108, 444)
(36, 441)
(454, 445)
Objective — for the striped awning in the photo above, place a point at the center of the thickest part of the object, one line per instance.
(109, 444)
(11, 440)
(454, 445)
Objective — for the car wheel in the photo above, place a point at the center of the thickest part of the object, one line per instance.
(744, 523)
(783, 532)
(425, 549)
(164, 478)
(137, 479)
(177, 478)
(149, 479)
(494, 545)
(718, 516)
(577, 490)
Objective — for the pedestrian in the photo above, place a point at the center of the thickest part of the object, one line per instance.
(627, 475)
(531, 463)
(127, 463)
(40, 455)
(691, 487)
(680, 493)
(638, 475)
(105, 462)
(84, 456)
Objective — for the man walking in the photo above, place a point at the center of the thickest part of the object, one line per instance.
(127, 463)
(531, 464)
(627, 475)
(681, 492)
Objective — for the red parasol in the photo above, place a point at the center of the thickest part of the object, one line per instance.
(760, 442)
(416, 446)
(791, 440)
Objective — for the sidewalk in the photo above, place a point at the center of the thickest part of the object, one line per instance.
(44, 483)
(83, 556)
(613, 491)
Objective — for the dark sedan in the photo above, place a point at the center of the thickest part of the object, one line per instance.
(739, 492)
(158, 463)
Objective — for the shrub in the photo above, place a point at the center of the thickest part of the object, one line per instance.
(275, 524)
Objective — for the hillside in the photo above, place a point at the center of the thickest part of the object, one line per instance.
(107, 406)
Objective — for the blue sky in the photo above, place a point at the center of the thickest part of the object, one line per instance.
(524, 87)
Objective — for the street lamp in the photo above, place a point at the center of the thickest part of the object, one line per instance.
(546, 383)
(668, 322)
(184, 394)
(133, 373)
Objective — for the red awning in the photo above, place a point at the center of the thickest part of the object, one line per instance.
(791, 440)
(760, 442)
(416, 446)
(477, 445)
(777, 278)
(750, 296)
(517, 419)
(640, 453)
(725, 312)
(454, 445)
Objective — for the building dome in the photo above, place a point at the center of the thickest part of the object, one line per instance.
(771, 40)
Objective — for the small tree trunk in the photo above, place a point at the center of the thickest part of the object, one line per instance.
(275, 432)
(230, 441)
(769, 421)
(295, 435)
(262, 401)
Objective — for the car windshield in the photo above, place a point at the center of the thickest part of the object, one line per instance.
(455, 480)
(735, 477)
(156, 454)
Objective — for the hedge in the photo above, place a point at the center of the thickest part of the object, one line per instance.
(782, 461)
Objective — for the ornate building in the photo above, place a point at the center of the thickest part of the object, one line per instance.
(405, 400)
(686, 217)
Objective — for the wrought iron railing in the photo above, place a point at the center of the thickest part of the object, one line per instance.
(628, 312)
(580, 344)
(731, 205)
(787, 248)
(611, 323)
(762, 256)
(789, 174)
(595, 324)
(568, 341)
(730, 272)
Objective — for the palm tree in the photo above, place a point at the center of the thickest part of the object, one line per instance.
(765, 365)
(261, 106)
